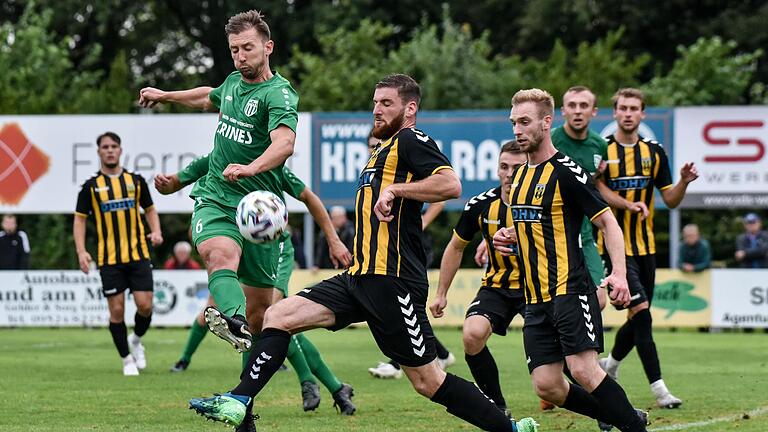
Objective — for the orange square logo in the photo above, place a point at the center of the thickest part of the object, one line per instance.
(21, 164)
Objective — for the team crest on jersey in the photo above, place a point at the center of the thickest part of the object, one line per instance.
(538, 192)
(646, 164)
(130, 189)
(251, 107)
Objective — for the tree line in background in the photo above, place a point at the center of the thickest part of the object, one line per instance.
(75, 57)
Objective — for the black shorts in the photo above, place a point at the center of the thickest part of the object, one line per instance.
(499, 306)
(641, 278)
(567, 325)
(395, 310)
(136, 276)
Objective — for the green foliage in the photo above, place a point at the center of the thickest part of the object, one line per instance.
(709, 72)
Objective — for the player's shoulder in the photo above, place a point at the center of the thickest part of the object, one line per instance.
(278, 84)
(596, 137)
(482, 200)
(90, 181)
(652, 143)
(406, 135)
(134, 174)
(566, 168)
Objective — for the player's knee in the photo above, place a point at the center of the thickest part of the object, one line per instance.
(276, 316)
(144, 309)
(474, 340)
(550, 390)
(218, 258)
(426, 384)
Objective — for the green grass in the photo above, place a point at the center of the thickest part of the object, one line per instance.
(71, 380)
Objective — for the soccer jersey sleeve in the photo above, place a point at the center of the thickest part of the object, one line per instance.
(145, 199)
(469, 221)
(215, 94)
(196, 169)
(663, 178)
(421, 154)
(578, 188)
(292, 185)
(283, 105)
(83, 207)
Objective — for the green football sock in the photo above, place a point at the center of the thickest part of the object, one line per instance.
(317, 365)
(226, 292)
(299, 363)
(196, 335)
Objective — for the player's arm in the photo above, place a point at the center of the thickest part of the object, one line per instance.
(196, 98)
(78, 234)
(674, 195)
(155, 235)
(616, 282)
(339, 254)
(431, 213)
(618, 202)
(449, 265)
(440, 186)
(169, 183)
(281, 148)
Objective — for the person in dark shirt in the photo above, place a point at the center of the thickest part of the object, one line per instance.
(344, 229)
(695, 253)
(752, 246)
(14, 245)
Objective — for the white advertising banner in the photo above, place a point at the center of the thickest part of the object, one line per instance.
(69, 298)
(728, 145)
(45, 159)
(740, 298)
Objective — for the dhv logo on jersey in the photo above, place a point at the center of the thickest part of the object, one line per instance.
(629, 183)
(366, 177)
(527, 213)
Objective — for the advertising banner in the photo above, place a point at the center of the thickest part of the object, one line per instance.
(679, 300)
(740, 298)
(470, 139)
(69, 298)
(45, 159)
(728, 145)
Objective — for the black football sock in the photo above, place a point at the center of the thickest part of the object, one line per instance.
(624, 342)
(642, 323)
(581, 402)
(616, 408)
(141, 324)
(464, 400)
(486, 374)
(395, 364)
(120, 337)
(442, 352)
(265, 359)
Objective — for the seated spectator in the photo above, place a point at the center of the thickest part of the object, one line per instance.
(14, 245)
(752, 246)
(182, 258)
(695, 254)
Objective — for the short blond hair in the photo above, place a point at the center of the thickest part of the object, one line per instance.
(541, 98)
(628, 92)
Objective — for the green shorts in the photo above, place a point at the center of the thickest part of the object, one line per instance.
(284, 263)
(258, 262)
(594, 262)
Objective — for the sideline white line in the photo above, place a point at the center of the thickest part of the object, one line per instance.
(754, 413)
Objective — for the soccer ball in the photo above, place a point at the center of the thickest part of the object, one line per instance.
(261, 216)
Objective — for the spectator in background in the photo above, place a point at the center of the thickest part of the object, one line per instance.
(297, 241)
(182, 258)
(695, 254)
(14, 245)
(344, 229)
(752, 246)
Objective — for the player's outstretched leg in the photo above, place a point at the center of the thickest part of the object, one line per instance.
(476, 331)
(232, 329)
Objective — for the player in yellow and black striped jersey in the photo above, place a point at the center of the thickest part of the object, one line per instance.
(112, 199)
(500, 297)
(387, 284)
(637, 166)
(550, 196)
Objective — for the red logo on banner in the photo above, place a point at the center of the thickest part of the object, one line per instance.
(21, 164)
(758, 149)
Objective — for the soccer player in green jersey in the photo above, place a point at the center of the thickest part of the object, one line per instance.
(303, 355)
(255, 135)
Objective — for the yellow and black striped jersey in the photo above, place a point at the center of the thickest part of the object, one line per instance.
(549, 202)
(394, 248)
(633, 171)
(487, 213)
(112, 202)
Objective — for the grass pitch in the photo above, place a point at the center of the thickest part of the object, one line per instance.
(71, 380)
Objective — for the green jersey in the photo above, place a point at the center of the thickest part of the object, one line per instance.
(247, 114)
(588, 152)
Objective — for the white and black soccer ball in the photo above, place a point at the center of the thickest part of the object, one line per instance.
(261, 216)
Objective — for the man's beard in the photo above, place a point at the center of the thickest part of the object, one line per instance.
(534, 142)
(387, 130)
(250, 73)
(112, 165)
